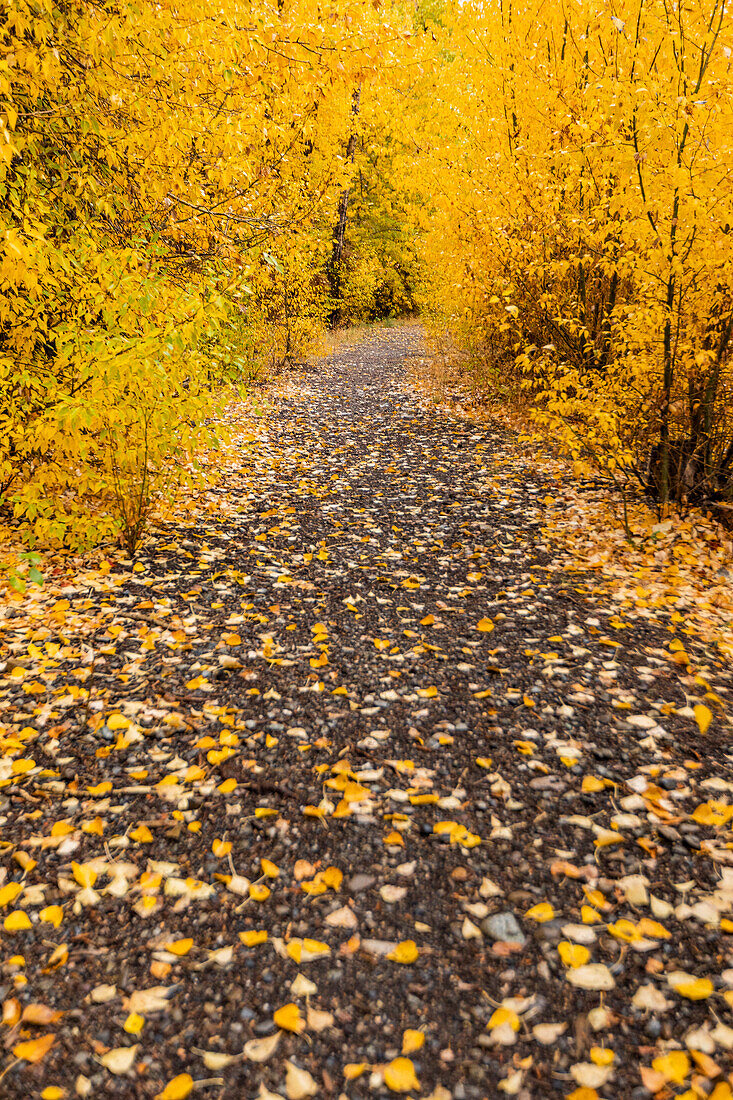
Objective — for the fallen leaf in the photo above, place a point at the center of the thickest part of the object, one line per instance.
(573, 954)
(40, 1015)
(697, 989)
(17, 921)
(399, 1076)
(119, 1060)
(179, 947)
(289, 1019)
(541, 912)
(178, 1088)
(673, 1066)
(405, 953)
(260, 1050)
(214, 1060)
(591, 976)
(318, 1020)
(148, 1001)
(703, 717)
(253, 937)
(412, 1041)
(547, 1034)
(35, 1049)
(298, 1082)
(650, 999)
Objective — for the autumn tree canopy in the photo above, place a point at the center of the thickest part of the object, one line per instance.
(191, 191)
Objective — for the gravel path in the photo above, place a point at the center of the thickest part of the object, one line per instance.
(405, 783)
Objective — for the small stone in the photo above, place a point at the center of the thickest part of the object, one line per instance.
(357, 883)
(549, 931)
(503, 927)
(264, 1027)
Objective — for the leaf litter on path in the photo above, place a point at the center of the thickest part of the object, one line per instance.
(352, 785)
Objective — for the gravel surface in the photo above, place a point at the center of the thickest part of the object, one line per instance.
(486, 808)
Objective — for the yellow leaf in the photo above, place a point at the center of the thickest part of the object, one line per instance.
(40, 1015)
(101, 788)
(10, 892)
(289, 1019)
(17, 921)
(21, 766)
(141, 835)
(712, 813)
(333, 877)
(315, 948)
(541, 912)
(177, 1089)
(58, 957)
(657, 931)
(179, 947)
(84, 875)
(118, 722)
(485, 626)
(504, 1016)
(595, 897)
(253, 937)
(53, 1092)
(221, 848)
(35, 1049)
(697, 990)
(573, 954)
(295, 950)
(428, 692)
(703, 717)
(673, 1066)
(590, 784)
(412, 1041)
(625, 930)
(405, 953)
(399, 1076)
(259, 892)
(352, 1070)
(11, 1012)
(601, 1056)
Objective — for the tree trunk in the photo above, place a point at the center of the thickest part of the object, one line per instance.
(339, 232)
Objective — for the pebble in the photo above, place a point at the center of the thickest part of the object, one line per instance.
(360, 882)
(264, 1027)
(503, 927)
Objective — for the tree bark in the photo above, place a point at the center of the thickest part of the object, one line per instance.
(339, 232)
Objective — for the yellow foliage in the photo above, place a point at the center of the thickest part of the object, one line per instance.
(578, 236)
(169, 178)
